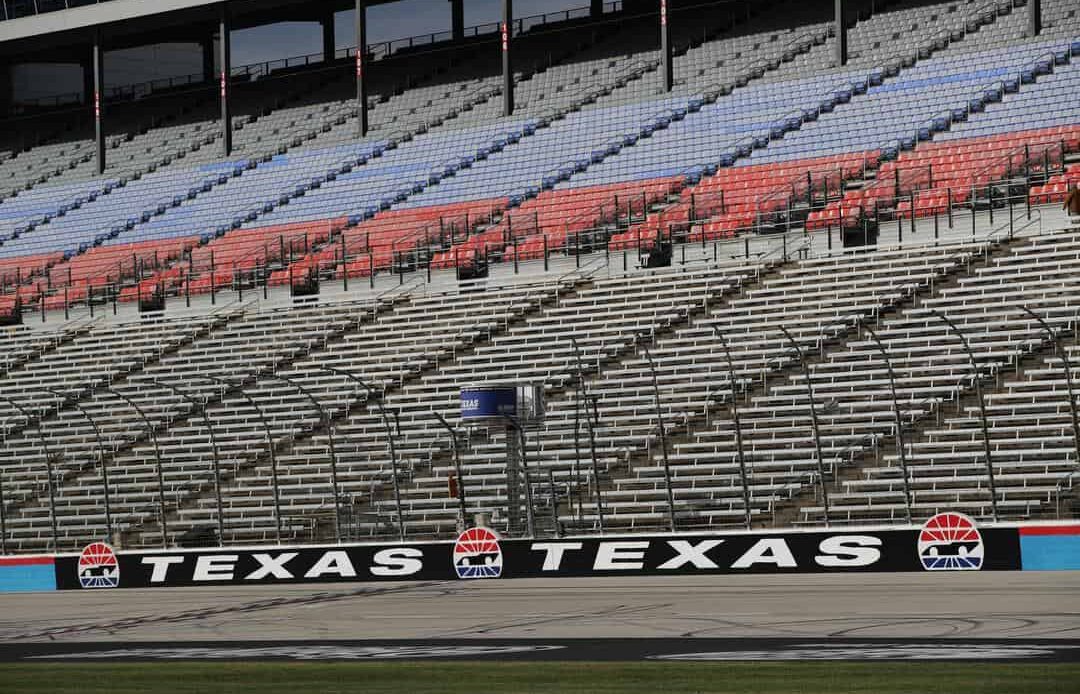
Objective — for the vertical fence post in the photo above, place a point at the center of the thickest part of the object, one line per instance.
(373, 397)
(1067, 366)
(663, 437)
(462, 504)
(732, 381)
(554, 504)
(591, 422)
(162, 512)
(326, 423)
(813, 421)
(3, 519)
(105, 486)
(901, 451)
(913, 201)
(213, 279)
(977, 379)
(195, 406)
(344, 264)
(48, 467)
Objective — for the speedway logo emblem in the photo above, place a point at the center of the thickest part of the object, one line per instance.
(950, 542)
(477, 554)
(98, 567)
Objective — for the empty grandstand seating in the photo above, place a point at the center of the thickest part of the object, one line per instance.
(762, 149)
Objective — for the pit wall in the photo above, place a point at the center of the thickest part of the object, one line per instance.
(947, 542)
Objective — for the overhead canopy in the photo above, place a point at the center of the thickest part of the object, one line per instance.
(54, 36)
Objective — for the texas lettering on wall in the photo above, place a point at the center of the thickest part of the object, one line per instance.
(484, 556)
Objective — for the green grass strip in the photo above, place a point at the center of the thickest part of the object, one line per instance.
(444, 677)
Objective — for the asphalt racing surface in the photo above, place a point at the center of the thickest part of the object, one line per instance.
(950, 616)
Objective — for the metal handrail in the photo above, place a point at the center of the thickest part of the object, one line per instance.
(1060, 487)
(981, 90)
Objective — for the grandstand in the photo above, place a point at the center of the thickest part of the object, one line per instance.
(208, 323)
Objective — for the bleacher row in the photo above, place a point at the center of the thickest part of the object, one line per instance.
(762, 133)
(416, 346)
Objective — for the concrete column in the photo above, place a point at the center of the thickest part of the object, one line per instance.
(596, 8)
(225, 65)
(361, 51)
(841, 34)
(6, 87)
(457, 20)
(665, 48)
(1034, 18)
(328, 43)
(98, 102)
(507, 58)
(207, 46)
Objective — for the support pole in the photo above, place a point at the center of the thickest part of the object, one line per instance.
(3, 519)
(738, 427)
(554, 503)
(106, 497)
(225, 66)
(596, 8)
(1068, 366)
(576, 474)
(5, 90)
(99, 106)
(901, 451)
(976, 377)
(462, 504)
(457, 20)
(591, 423)
(48, 471)
(157, 461)
(231, 387)
(201, 408)
(663, 437)
(530, 521)
(374, 397)
(361, 87)
(330, 438)
(1034, 18)
(841, 34)
(507, 30)
(327, 25)
(813, 422)
(666, 66)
